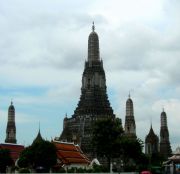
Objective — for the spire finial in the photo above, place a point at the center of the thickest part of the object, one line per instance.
(11, 101)
(151, 121)
(39, 126)
(93, 26)
(129, 94)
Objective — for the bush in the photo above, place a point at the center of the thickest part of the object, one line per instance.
(24, 170)
(99, 169)
(60, 170)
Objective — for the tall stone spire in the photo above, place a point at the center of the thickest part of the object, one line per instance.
(93, 103)
(165, 147)
(130, 126)
(93, 46)
(93, 99)
(11, 127)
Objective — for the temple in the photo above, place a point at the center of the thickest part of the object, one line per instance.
(93, 104)
(151, 143)
(165, 147)
(11, 126)
(130, 125)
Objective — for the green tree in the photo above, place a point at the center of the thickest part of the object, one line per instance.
(40, 155)
(156, 159)
(132, 153)
(5, 160)
(142, 162)
(26, 158)
(109, 141)
(24, 170)
(106, 134)
(131, 148)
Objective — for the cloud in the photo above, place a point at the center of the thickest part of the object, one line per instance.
(43, 47)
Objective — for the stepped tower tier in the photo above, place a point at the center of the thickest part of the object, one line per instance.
(165, 147)
(93, 103)
(130, 125)
(11, 127)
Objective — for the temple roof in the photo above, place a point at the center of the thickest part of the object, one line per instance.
(38, 138)
(69, 153)
(176, 157)
(14, 149)
(151, 137)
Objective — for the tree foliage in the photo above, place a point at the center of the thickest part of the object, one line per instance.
(5, 160)
(131, 148)
(40, 155)
(106, 135)
(109, 141)
(26, 158)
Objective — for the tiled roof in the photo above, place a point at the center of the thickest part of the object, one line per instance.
(69, 153)
(14, 149)
(151, 137)
(38, 138)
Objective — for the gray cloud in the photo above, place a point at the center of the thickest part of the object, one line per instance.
(44, 45)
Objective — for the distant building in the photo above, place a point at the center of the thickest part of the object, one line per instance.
(11, 126)
(130, 125)
(93, 104)
(165, 147)
(151, 143)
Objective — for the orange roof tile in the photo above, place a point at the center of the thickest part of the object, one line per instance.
(66, 147)
(69, 153)
(14, 149)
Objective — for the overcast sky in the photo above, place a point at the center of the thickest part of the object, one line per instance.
(43, 46)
